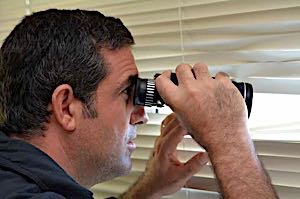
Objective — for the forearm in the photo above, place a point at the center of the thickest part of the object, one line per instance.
(238, 169)
(140, 190)
(215, 114)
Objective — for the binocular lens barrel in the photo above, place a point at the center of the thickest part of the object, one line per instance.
(146, 93)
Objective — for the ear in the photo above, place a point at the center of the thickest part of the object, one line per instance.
(64, 107)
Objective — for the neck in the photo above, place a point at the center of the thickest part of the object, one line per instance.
(54, 145)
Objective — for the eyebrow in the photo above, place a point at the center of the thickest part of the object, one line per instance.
(129, 81)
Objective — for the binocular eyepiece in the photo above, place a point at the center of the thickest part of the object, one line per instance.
(146, 93)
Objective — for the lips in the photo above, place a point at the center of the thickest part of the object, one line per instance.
(132, 135)
(131, 145)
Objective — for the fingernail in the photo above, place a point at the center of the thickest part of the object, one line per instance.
(203, 157)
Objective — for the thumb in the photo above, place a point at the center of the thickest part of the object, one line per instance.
(165, 87)
(194, 165)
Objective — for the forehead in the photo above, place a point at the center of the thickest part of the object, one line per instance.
(119, 61)
(121, 68)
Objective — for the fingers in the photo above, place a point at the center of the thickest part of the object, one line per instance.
(184, 73)
(171, 134)
(222, 76)
(165, 86)
(165, 128)
(201, 71)
(185, 76)
(224, 79)
(194, 165)
(171, 140)
(168, 124)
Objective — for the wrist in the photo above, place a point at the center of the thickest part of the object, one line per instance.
(224, 138)
(237, 143)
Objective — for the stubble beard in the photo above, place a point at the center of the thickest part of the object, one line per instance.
(113, 166)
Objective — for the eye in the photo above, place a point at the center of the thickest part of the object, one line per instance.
(128, 91)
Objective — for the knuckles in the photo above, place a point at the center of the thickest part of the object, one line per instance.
(203, 68)
(158, 80)
(182, 67)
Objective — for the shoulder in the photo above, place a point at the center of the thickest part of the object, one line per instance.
(14, 185)
(45, 195)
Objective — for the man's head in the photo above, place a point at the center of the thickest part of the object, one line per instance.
(48, 49)
(68, 71)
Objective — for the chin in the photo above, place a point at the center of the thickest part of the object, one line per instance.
(116, 170)
(125, 166)
(119, 164)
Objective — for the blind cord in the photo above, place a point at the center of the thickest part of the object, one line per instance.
(27, 7)
(180, 31)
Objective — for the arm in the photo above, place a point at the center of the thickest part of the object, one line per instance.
(238, 170)
(219, 124)
(164, 173)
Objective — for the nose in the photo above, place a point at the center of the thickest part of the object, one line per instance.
(139, 116)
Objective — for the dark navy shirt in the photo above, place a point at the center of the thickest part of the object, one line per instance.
(27, 172)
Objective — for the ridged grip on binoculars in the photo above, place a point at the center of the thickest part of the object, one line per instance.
(146, 93)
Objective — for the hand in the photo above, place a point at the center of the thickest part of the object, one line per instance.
(214, 113)
(164, 173)
(208, 108)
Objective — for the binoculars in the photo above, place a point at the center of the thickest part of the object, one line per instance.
(146, 93)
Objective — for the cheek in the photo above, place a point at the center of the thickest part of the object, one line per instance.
(114, 133)
(113, 122)
(120, 119)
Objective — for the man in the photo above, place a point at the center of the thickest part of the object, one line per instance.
(68, 121)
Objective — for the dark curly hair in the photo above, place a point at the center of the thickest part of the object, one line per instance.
(51, 48)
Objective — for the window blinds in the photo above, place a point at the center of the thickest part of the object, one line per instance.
(253, 40)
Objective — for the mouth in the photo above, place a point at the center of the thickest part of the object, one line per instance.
(130, 144)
